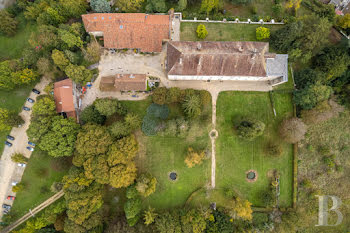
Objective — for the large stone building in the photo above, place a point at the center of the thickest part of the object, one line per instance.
(140, 31)
(245, 61)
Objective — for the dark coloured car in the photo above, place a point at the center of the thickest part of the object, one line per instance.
(36, 91)
(31, 143)
(8, 207)
(26, 108)
(9, 137)
(5, 211)
(30, 148)
(30, 100)
(11, 198)
(9, 144)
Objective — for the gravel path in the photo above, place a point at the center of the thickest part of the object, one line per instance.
(9, 170)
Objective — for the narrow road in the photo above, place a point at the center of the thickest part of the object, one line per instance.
(213, 135)
(36, 210)
(9, 170)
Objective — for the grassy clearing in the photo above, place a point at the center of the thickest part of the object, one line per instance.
(12, 47)
(262, 7)
(12, 100)
(236, 156)
(41, 171)
(161, 155)
(223, 32)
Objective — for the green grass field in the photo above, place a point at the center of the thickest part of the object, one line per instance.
(12, 100)
(12, 47)
(40, 173)
(223, 32)
(236, 156)
(160, 155)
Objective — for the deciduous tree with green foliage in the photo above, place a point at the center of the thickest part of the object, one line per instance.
(262, 33)
(310, 96)
(201, 31)
(250, 128)
(108, 107)
(156, 6)
(100, 6)
(132, 209)
(59, 59)
(344, 21)
(192, 106)
(8, 24)
(159, 95)
(210, 5)
(92, 53)
(78, 74)
(45, 105)
(146, 184)
(129, 5)
(181, 5)
(91, 115)
(19, 158)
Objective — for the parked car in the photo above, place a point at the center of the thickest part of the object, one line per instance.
(26, 108)
(14, 183)
(31, 143)
(9, 137)
(7, 207)
(5, 211)
(30, 100)
(22, 165)
(9, 144)
(36, 91)
(11, 198)
(30, 148)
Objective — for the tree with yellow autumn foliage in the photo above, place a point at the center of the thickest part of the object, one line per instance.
(238, 208)
(193, 158)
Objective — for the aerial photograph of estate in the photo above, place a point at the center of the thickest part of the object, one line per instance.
(175, 116)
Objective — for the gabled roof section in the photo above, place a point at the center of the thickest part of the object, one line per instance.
(130, 30)
(63, 95)
(125, 82)
(208, 58)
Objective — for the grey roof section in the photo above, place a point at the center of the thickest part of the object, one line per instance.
(278, 66)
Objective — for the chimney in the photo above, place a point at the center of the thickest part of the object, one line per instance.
(240, 48)
(199, 46)
(180, 61)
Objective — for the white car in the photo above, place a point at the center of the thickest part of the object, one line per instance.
(22, 165)
(14, 183)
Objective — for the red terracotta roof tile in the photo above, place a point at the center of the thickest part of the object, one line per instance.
(63, 95)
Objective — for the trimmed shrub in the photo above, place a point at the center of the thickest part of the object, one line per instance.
(201, 31)
(273, 149)
(250, 129)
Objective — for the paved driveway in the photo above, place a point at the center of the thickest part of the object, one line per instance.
(9, 170)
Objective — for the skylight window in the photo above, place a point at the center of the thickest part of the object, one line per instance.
(121, 26)
(103, 17)
(95, 17)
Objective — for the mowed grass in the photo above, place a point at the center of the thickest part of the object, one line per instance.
(12, 100)
(223, 32)
(160, 155)
(38, 177)
(12, 47)
(236, 156)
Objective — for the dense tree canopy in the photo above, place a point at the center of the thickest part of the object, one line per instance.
(8, 24)
(308, 97)
(156, 6)
(45, 105)
(91, 115)
(250, 128)
(78, 74)
(100, 6)
(146, 184)
(108, 107)
(129, 5)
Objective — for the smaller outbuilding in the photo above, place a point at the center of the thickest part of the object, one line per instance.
(64, 98)
(124, 82)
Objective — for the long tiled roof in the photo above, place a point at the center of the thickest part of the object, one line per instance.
(126, 82)
(63, 94)
(217, 58)
(130, 30)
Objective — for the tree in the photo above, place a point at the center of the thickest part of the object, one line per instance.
(182, 4)
(158, 111)
(39, 126)
(150, 125)
(60, 139)
(74, 58)
(100, 6)
(293, 4)
(146, 184)
(274, 149)
(132, 207)
(70, 39)
(194, 158)
(195, 220)
(201, 31)
(250, 128)
(4, 118)
(262, 33)
(308, 77)
(310, 96)
(192, 106)
(44, 66)
(119, 129)
(108, 107)
(91, 115)
(156, 6)
(59, 59)
(332, 62)
(73, 8)
(25, 76)
(131, 192)
(129, 5)
(44, 106)
(292, 130)
(133, 121)
(50, 16)
(149, 216)
(238, 208)
(45, 37)
(92, 53)
(19, 158)
(159, 95)
(210, 5)
(8, 24)
(168, 222)
(173, 95)
(78, 74)
(344, 21)
(6, 82)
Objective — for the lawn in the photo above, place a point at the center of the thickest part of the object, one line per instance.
(12, 100)
(160, 155)
(235, 156)
(223, 32)
(41, 171)
(12, 47)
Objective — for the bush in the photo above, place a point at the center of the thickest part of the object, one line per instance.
(108, 107)
(17, 187)
(274, 149)
(19, 158)
(262, 33)
(194, 158)
(201, 31)
(131, 192)
(292, 130)
(146, 184)
(158, 111)
(149, 125)
(250, 128)
(91, 115)
(56, 187)
(159, 95)
(192, 105)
